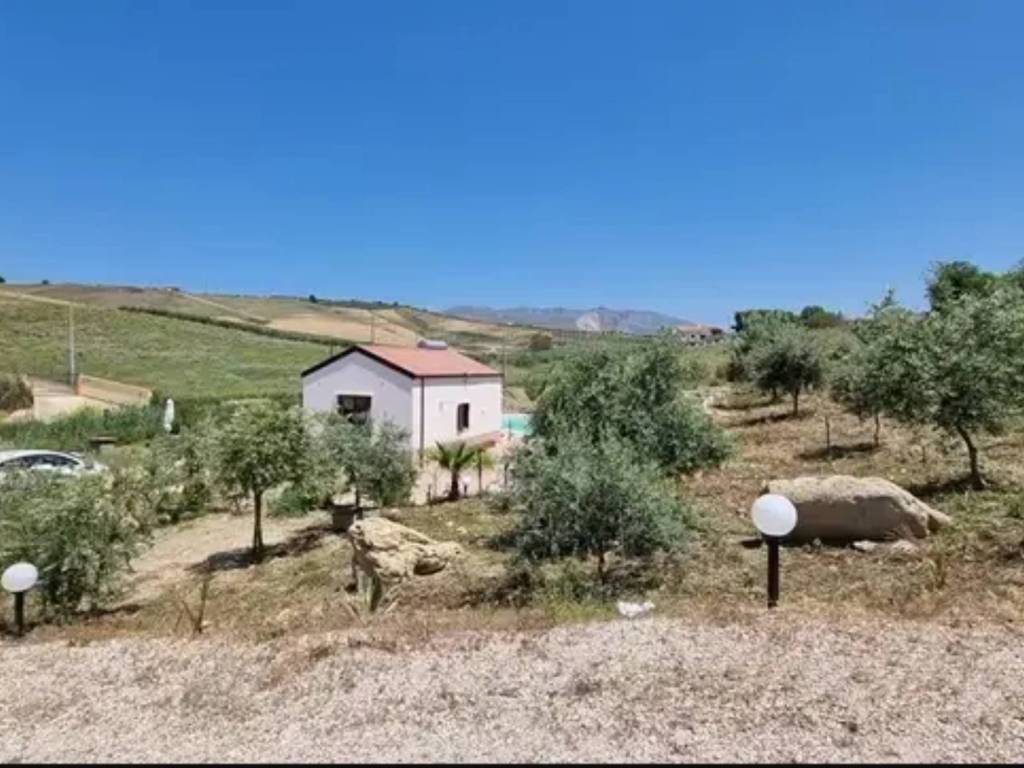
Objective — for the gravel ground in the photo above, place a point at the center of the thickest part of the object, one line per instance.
(780, 689)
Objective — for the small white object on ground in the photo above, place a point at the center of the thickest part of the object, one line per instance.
(865, 546)
(169, 415)
(634, 610)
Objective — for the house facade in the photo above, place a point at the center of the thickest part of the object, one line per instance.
(432, 392)
(698, 335)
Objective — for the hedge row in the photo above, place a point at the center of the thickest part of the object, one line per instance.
(259, 330)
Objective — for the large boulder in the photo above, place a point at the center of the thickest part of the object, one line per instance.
(392, 552)
(841, 508)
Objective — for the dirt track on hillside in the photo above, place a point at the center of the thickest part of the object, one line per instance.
(650, 690)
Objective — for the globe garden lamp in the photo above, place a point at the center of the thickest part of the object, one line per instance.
(19, 579)
(775, 517)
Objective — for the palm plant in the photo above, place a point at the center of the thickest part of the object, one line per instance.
(454, 457)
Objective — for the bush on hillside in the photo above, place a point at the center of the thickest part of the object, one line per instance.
(633, 395)
(79, 532)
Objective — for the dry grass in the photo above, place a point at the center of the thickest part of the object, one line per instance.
(973, 571)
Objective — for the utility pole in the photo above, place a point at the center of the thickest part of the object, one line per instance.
(71, 345)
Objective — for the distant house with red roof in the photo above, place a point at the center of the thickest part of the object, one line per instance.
(697, 334)
(433, 392)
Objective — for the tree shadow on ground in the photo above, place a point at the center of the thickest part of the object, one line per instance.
(299, 543)
(932, 489)
(743, 406)
(838, 451)
(769, 418)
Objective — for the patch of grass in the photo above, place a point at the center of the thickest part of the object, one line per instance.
(129, 424)
(178, 358)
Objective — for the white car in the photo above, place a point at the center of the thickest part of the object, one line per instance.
(48, 461)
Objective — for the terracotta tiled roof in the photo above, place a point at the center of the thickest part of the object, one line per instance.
(416, 361)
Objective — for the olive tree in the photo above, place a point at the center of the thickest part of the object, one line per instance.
(259, 445)
(960, 370)
(586, 499)
(779, 355)
(372, 460)
(634, 396)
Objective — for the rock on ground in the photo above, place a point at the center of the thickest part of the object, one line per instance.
(841, 508)
(779, 689)
(393, 552)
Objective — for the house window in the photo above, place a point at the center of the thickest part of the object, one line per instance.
(356, 407)
(462, 417)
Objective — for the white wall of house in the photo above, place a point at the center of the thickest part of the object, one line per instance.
(357, 374)
(396, 397)
(441, 399)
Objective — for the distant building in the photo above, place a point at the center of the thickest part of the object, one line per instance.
(697, 335)
(433, 392)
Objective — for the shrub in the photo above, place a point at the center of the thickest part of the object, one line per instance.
(540, 342)
(15, 393)
(587, 499)
(78, 531)
(634, 396)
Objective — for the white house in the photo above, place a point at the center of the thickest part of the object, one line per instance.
(433, 392)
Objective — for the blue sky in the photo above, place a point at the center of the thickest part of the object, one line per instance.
(693, 158)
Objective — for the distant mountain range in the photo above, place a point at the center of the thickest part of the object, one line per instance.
(636, 321)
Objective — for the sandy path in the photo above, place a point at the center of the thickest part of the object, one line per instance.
(178, 548)
(660, 690)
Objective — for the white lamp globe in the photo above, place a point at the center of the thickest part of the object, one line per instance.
(774, 515)
(20, 577)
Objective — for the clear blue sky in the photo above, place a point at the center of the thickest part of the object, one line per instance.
(688, 157)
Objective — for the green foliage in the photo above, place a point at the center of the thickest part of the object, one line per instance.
(15, 393)
(778, 354)
(127, 424)
(79, 533)
(576, 497)
(2, 280)
(181, 359)
(540, 342)
(818, 317)
(374, 459)
(171, 476)
(257, 446)
(745, 317)
(454, 458)
(960, 370)
(951, 281)
(633, 395)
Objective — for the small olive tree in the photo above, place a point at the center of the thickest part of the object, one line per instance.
(259, 445)
(779, 355)
(79, 532)
(586, 499)
(372, 460)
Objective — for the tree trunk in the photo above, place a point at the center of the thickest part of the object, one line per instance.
(796, 401)
(479, 479)
(977, 481)
(453, 493)
(600, 566)
(878, 430)
(828, 436)
(257, 529)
